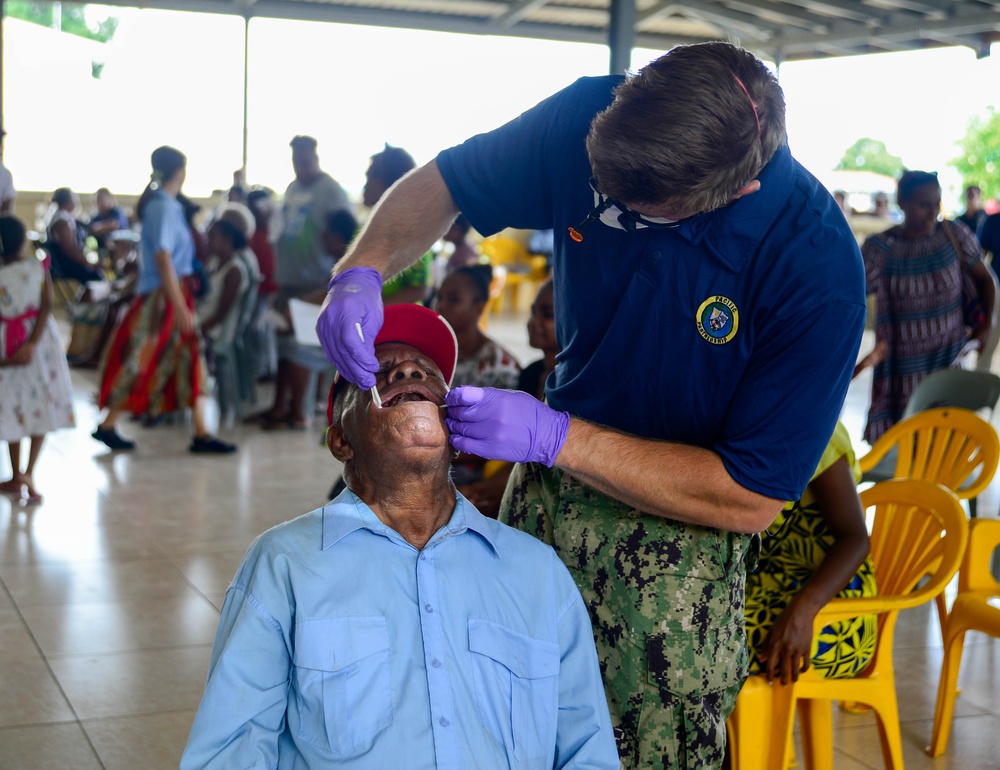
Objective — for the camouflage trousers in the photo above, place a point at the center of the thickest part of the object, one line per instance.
(666, 602)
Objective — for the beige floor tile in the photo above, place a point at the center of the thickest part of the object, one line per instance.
(150, 742)
(90, 530)
(842, 761)
(210, 573)
(979, 675)
(44, 747)
(209, 534)
(16, 641)
(29, 694)
(974, 744)
(49, 583)
(917, 675)
(919, 627)
(126, 625)
(130, 683)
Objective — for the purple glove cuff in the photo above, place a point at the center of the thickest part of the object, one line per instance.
(359, 274)
(552, 436)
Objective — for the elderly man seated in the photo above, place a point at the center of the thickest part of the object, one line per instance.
(397, 627)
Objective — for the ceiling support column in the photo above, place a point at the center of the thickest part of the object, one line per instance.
(621, 35)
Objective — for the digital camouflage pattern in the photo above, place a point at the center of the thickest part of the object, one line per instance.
(666, 601)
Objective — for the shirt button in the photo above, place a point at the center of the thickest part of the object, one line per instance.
(443, 722)
(428, 608)
(423, 557)
(656, 254)
(436, 663)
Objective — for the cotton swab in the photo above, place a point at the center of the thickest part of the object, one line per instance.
(376, 398)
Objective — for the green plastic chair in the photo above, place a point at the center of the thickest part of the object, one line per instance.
(961, 388)
(228, 353)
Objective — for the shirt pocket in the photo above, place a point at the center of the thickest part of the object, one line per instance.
(341, 682)
(517, 688)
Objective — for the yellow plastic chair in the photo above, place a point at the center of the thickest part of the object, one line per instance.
(966, 467)
(511, 255)
(496, 291)
(954, 447)
(976, 608)
(919, 529)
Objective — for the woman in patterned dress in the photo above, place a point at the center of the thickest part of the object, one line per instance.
(815, 550)
(916, 273)
(155, 362)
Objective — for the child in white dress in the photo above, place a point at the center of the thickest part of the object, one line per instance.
(35, 390)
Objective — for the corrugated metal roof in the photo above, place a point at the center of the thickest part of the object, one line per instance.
(780, 30)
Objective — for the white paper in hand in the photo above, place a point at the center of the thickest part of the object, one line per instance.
(304, 318)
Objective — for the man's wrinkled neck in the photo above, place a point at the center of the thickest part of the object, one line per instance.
(414, 501)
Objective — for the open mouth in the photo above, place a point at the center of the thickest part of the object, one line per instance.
(410, 395)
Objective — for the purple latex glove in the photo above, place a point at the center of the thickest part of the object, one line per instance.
(354, 298)
(505, 425)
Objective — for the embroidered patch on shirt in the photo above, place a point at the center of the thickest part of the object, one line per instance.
(718, 319)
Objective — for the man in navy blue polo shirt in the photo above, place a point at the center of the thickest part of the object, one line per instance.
(709, 305)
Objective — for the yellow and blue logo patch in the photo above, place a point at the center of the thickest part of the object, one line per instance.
(718, 319)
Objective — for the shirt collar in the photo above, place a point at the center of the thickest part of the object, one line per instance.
(348, 513)
(734, 232)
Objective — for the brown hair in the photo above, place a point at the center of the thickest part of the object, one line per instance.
(166, 162)
(689, 130)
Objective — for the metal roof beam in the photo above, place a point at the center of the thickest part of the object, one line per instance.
(780, 17)
(660, 10)
(403, 20)
(897, 30)
(931, 10)
(978, 43)
(850, 10)
(516, 12)
(974, 22)
(733, 23)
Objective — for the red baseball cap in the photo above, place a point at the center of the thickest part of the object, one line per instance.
(419, 327)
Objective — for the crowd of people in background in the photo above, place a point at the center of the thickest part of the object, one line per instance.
(172, 282)
(284, 248)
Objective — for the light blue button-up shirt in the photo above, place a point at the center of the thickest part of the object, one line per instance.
(341, 644)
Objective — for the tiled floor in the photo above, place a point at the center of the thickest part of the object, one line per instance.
(110, 589)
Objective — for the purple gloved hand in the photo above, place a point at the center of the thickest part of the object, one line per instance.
(354, 301)
(505, 425)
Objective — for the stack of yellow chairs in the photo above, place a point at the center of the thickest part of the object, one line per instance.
(976, 608)
(518, 265)
(954, 447)
(919, 531)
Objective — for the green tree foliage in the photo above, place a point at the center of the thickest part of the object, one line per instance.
(871, 155)
(979, 163)
(73, 18)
